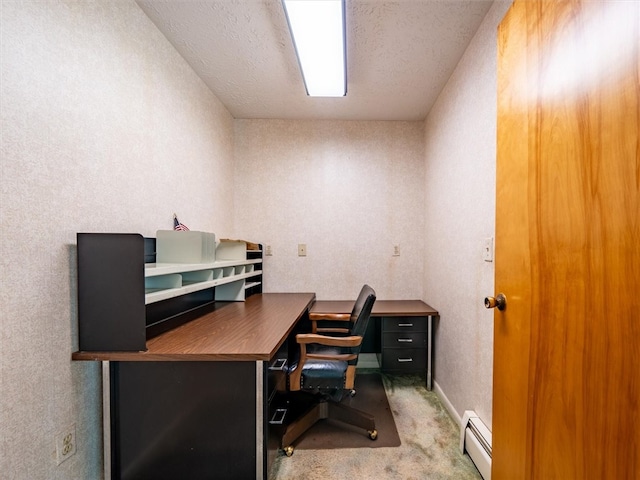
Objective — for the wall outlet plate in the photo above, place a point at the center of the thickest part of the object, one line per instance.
(66, 444)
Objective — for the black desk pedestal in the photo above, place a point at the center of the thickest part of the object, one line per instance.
(195, 420)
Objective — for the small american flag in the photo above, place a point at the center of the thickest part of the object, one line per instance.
(179, 226)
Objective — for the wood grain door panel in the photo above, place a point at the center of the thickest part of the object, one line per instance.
(566, 362)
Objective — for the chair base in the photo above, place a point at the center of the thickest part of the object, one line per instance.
(327, 409)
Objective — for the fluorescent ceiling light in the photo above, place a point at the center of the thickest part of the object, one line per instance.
(318, 32)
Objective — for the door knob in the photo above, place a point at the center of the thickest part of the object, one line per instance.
(492, 302)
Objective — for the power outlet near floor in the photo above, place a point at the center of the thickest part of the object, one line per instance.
(66, 444)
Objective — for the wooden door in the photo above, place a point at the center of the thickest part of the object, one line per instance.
(567, 347)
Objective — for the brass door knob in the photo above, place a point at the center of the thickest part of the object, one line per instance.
(499, 302)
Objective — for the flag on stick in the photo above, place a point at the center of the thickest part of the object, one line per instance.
(179, 226)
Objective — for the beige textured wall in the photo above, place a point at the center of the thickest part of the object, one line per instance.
(349, 190)
(460, 150)
(104, 128)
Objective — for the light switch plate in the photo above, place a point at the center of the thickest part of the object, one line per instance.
(487, 250)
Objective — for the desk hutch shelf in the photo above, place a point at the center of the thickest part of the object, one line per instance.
(131, 288)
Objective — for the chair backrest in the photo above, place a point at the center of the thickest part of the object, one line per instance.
(362, 310)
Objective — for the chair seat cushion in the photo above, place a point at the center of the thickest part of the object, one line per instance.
(324, 368)
(323, 374)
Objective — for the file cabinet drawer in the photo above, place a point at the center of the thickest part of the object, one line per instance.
(403, 324)
(408, 339)
(404, 359)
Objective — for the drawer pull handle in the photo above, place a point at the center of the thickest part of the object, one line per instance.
(405, 340)
(405, 360)
(278, 416)
(405, 324)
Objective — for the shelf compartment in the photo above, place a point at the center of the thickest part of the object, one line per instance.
(189, 278)
(160, 295)
(162, 282)
(231, 250)
(230, 292)
(242, 276)
(156, 269)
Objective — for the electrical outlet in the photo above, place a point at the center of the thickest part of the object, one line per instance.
(396, 250)
(268, 252)
(302, 249)
(66, 444)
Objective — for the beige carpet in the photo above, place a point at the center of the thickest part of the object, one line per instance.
(429, 448)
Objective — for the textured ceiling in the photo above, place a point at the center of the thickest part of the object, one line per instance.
(399, 55)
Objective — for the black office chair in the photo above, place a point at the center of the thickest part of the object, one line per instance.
(326, 368)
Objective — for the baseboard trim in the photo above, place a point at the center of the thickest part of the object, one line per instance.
(476, 455)
(447, 404)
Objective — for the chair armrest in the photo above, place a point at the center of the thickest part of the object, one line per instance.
(330, 330)
(306, 338)
(328, 317)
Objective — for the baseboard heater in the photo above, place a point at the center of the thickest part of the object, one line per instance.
(475, 439)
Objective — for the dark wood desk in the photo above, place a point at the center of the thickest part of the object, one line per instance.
(238, 331)
(196, 402)
(385, 308)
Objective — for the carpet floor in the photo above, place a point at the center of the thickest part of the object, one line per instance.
(428, 450)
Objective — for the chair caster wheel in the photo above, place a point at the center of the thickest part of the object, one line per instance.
(373, 434)
(288, 451)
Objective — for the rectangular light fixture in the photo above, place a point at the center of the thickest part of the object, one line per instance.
(318, 31)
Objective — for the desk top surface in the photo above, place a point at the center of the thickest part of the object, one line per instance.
(381, 308)
(234, 331)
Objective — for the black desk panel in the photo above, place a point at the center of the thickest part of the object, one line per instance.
(183, 420)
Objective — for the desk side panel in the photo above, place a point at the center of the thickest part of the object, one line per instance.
(173, 420)
(111, 311)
